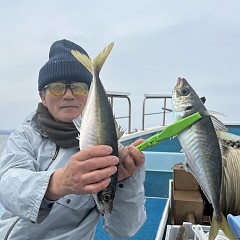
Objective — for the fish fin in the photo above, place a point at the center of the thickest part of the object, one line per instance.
(84, 60)
(227, 136)
(186, 167)
(223, 137)
(220, 223)
(77, 122)
(122, 152)
(218, 125)
(101, 58)
(203, 99)
(211, 112)
(224, 148)
(119, 130)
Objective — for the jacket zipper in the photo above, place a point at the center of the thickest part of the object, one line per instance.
(53, 158)
(11, 228)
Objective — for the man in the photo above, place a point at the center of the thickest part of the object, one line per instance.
(46, 182)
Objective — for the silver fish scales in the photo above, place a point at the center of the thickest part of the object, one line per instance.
(202, 150)
(97, 125)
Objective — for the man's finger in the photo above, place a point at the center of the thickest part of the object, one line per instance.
(94, 151)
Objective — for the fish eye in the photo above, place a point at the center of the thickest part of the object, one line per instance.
(107, 197)
(184, 91)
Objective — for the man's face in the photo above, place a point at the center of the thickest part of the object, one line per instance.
(63, 108)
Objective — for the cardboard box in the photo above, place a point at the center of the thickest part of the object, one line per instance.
(183, 180)
(187, 202)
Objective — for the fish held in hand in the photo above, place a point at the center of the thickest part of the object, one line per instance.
(97, 126)
(202, 150)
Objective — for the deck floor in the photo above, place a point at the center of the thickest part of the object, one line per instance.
(154, 208)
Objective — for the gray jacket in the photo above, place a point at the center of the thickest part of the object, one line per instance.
(26, 165)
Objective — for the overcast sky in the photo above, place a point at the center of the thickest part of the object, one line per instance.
(155, 43)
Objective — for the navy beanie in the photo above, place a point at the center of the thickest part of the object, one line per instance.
(63, 66)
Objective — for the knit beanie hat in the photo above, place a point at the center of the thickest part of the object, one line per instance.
(63, 66)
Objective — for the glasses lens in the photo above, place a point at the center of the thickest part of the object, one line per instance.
(57, 89)
(79, 89)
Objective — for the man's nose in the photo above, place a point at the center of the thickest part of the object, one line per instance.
(68, 94)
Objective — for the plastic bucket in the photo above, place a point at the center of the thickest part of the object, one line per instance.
(234, 222)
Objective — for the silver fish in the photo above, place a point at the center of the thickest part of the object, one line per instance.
(97, 125)
(202, 150)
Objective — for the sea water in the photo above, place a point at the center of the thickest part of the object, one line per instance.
(3, 142)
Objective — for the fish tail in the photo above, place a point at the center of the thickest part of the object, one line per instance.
(220, 222)
(97, 63)
(101, 58)
(84, 60)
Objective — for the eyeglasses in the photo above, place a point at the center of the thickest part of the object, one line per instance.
(60, 88)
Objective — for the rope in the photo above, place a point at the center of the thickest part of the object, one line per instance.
(230, 201)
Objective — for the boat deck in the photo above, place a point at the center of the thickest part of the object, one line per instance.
(154, 207)
(158, 174)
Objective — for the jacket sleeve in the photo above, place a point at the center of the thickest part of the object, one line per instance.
(22, 185)
(129, 212)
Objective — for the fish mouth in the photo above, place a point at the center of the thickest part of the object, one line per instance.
(180, 82)
(178, 85)
(188, 108)
(181, 94)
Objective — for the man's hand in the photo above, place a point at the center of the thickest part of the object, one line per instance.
(87, 172)
(90, 170)
(132, 162)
